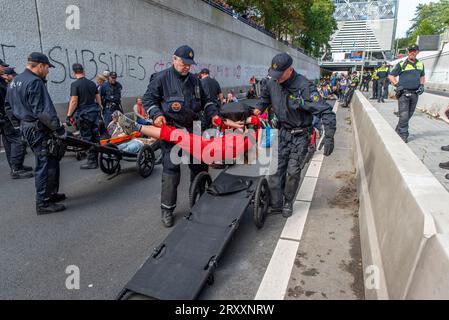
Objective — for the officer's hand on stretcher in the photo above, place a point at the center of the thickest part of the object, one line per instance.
(160, 121)
(233, 124)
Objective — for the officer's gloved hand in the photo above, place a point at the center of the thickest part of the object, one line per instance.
(420, 90)
(68, 121)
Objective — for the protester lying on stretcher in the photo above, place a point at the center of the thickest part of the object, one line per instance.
(132, 144)
(208, 150)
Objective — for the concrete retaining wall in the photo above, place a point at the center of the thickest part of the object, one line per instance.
(404, 213)
(137, 38)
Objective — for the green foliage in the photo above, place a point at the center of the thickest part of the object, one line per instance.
(430, 19)
(307, 23)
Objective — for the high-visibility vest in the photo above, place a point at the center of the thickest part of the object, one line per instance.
(407, 66)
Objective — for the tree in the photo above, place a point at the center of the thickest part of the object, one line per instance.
(430, 19)
(308, 23)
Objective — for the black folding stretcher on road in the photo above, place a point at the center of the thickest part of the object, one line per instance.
(185, 261)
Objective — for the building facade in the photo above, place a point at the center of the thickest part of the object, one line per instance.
(368, 26)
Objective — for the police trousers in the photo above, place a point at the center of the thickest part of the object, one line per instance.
(375, 88)
(291, 154)
(171, 176)
(407, 105)
(46, 171)
(87, 123)
(382, 89)
(14, 147)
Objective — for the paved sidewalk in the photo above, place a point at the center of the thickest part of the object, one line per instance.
(328, 263)
(427, 135)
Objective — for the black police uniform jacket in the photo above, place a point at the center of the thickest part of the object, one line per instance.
(295, 102)
(31, 101)
(179, 98)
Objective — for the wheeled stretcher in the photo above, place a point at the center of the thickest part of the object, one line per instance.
(110, 155)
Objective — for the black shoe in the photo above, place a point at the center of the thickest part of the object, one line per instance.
(445, 148)
(167, 218)
(272, 210)
(21, 174)
(57, 197)
(444, 165)
(89, 165)
(447, 176)
(396, 113)
(49, 207)
(287, 210)
(383, 101)
(26, 168)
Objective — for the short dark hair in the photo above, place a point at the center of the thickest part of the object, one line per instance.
(77, 68)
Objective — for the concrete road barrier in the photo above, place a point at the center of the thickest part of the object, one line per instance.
(404, 213)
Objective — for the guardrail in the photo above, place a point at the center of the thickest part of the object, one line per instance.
(403, 215)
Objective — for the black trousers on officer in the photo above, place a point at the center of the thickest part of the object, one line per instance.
(382, 89)
(171, 176)
(87, 123)
(407, 105)
(46, 171)
(292, 152)
(365, 86)
(375, 87)
(14, 147)
(349, 96)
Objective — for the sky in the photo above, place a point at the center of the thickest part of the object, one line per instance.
(406, 13)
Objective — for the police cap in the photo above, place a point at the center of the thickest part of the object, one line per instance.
(186, 54)
(205, 71)
(39, 58)
(413, 47)
(279, 64)
(113, 75)
(10, 71)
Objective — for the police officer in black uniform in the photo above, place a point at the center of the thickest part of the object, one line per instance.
(211, 87)
(295, 100)
(85, 106)
(39, 124)
(409, 86)
(176, 97)
(9, 130)
(111, 97)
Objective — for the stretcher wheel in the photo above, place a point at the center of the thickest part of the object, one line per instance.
(109, 163)
(261, 202)
(199, 185)
(145, 161)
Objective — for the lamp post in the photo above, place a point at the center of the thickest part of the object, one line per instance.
(368, 11)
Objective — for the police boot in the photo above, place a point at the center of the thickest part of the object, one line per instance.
(444, 165)
(48, 207)
(291, 186)
(445, 148)
(168, 198)
(26, 168)
(21, 174)
(57, 197)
